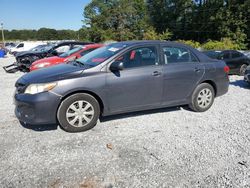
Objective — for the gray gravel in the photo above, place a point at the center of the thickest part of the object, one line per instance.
(171, 147)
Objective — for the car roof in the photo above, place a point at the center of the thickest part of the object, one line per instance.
(136, 42)
(73, 42)
(93, 45)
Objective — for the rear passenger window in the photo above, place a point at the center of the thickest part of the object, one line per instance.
(138, 57)
(178, 55)
(236, 54)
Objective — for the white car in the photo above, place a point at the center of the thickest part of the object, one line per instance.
(24, 46)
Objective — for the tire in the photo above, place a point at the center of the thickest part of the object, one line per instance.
(202, 98)
(243, 69)
(73, 120)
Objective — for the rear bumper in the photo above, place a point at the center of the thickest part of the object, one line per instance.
(222, 86)
(37, 109)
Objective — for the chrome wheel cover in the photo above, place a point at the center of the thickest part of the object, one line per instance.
(80, 113)
(204, 98)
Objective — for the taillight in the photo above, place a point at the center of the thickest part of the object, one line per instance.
(226, 69)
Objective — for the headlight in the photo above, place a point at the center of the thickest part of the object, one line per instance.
(38, 88)
(41, 65)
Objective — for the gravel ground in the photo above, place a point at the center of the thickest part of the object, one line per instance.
(172, 147)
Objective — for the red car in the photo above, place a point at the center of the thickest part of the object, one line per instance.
(71, 55)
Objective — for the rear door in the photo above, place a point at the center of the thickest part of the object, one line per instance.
(139, 85)
(182, 71)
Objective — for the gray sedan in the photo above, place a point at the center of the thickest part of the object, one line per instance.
(118, 78)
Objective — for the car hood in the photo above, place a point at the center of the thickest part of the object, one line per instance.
(50, 74)
(28, 53)
(48, 59)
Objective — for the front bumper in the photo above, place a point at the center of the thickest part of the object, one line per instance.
(37, 109)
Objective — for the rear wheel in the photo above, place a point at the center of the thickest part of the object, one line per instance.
(202, 98)
(78, 112)
(243, 69)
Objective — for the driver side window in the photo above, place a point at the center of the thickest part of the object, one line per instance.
(20, 45)
(138, 57)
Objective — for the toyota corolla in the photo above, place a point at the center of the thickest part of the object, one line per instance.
(118, 78)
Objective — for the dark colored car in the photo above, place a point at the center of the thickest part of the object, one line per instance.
(25, 59)
(70, 55)
(118, 78)
(247, 75)
(236, 60)
(38, 49)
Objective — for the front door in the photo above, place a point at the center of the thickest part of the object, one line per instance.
(139, 85)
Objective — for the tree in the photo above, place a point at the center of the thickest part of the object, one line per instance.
(46, 34)
(115, 19)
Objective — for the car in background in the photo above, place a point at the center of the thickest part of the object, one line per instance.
(9, 45)
(65, 57)
(24, 46)
(118, 78)
(247, 75)
(236, 60)
(25, 59)
(39, 48)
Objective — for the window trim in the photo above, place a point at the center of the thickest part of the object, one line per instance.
(173, 46)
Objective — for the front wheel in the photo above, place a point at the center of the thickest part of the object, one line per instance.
(78, 112)
(202, 98)
(243, 69)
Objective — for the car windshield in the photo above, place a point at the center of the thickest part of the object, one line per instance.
(70, 52)
(41, 48)
(99, 55)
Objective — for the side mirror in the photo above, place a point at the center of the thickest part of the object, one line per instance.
(116, 66)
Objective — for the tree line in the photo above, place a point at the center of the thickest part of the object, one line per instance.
(195, 21)
(41, 34)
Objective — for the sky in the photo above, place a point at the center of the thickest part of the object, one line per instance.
(34, 14)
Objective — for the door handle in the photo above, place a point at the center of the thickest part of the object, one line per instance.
(156, 73)
(196, 69)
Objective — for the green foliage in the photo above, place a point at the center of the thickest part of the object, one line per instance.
(41, 34)
(202, 20)
(224, 44)
(192, 43)
(151, 34)
(115, 19)
(218, 24)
